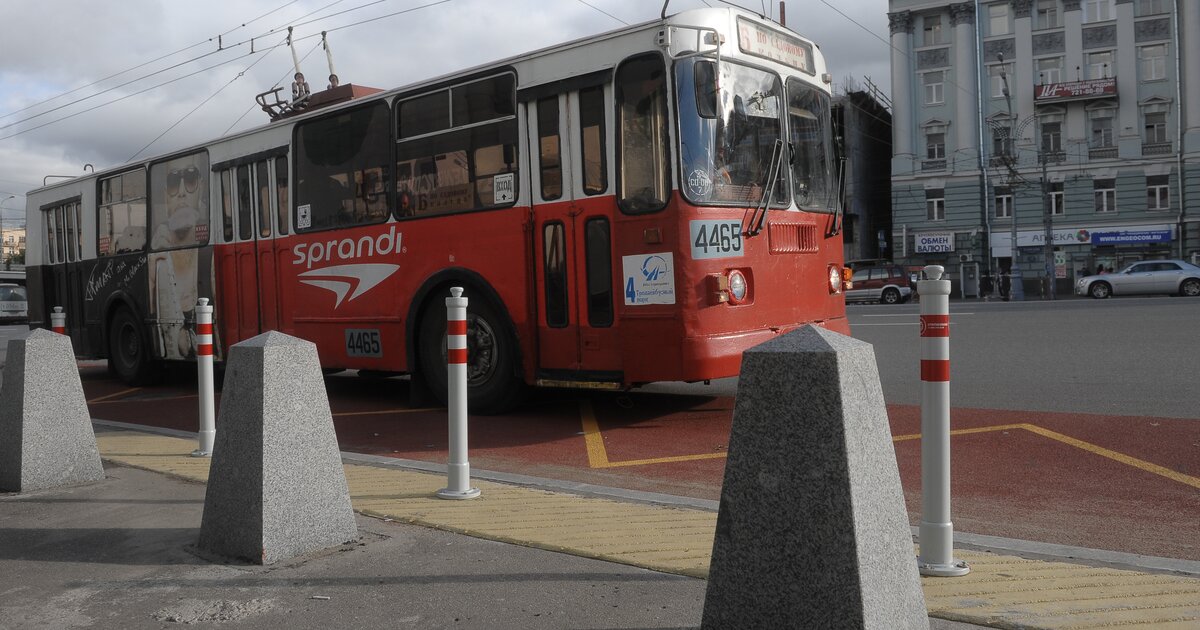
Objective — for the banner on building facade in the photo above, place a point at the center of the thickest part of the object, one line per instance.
(1075, 90)
(933, 242)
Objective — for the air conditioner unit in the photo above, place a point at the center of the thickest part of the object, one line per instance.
(964, 258)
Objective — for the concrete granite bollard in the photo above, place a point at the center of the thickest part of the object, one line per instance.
(46, 436)
(276, 486)
(812, 530)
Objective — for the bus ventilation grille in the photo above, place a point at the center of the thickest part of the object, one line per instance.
(792, 238)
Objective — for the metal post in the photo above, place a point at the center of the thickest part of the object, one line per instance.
(1048, 220)
(458, 469)
(204, 370)
(937, 532)
(58, 321)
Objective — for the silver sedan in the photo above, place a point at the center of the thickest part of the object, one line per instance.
(1173, 277)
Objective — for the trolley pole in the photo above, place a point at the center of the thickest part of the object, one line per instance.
(204, 370)
(937, 532)
(58, 321)
(458, 469)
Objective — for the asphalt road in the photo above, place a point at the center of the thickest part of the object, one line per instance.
(1121, 356)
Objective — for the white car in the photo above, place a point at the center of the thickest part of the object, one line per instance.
(1173, 277)
(14, 307)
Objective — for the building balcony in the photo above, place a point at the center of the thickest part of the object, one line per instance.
(1054, 157)
(1102, 153)
(1157, 148)
(933, 165)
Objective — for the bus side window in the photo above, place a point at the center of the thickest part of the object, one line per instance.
(591, 130)
(599, 273)
(245, 202)
(554, 246)
(121, 214)
(281, 192)
(642, 140)
(549, 147)
(264, 199)
(342, 168)
(227, 205)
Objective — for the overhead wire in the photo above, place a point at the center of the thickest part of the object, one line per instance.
(328, 30)
(144, 64)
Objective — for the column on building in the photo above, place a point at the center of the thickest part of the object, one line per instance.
(1189, 19)
(901, 25)
(1076, 126)
(1128, 127)
(966, 114)
(1022, 87)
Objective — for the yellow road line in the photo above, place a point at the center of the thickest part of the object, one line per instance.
(113, 395)
(1162, 471)
(598, 455)
(383, 411)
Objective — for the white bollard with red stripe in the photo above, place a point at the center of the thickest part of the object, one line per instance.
(937, 531)
(458, 469)
(58, 321)
(204, 370)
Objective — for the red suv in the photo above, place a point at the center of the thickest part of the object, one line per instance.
(887, 284)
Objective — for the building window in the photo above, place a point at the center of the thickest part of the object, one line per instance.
(1002, 142)
(1098, 11)
(1048, 15)
(932, 30)
(1102, 128)
(1051, 136)
(1152, 61)
(1049, 70)
(1055, 190)
(1106, 194)
(935, 142)
(1156, 128)
(1151, 7)
(998, 19)
(1004, 202)
(998, 72)
(934, 87)
(1098, 65)
(1158, 192)
(935, 204)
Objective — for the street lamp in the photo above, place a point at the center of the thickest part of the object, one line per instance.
(2, 226)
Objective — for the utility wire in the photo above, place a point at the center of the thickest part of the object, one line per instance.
(330, 30)
(142, 65)
(205, 101)
(584, 2)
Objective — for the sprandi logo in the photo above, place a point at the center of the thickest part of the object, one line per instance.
(348, 281)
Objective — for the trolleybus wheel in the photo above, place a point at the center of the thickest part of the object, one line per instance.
(128, 353)
(492, 384)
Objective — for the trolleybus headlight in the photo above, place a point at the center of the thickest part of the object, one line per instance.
(738, 287)
(835, 279)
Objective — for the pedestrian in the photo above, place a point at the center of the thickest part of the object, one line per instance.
(1099, 269)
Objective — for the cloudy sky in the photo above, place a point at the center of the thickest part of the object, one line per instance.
(104, 82)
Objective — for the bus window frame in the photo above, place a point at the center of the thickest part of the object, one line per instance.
(203, 190)
(389, 168)
(618, 134)
(100, 204)
(47, 210)
(448, 86)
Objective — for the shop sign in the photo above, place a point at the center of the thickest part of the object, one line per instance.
(934, 242)
(1075, 90)
(1131, 236)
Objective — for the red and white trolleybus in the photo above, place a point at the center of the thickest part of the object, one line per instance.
(637, 206)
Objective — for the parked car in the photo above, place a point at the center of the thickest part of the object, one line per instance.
(14, 306)
(1173, 277)
(887, 284)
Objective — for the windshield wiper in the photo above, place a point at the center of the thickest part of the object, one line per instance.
(760, 212)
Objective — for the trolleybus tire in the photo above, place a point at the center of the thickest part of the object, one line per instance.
(128, 353)
(492, 383)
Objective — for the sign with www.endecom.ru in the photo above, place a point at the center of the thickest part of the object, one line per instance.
(934, 242)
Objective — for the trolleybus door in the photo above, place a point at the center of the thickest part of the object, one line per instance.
(254, 256)
(573, 245)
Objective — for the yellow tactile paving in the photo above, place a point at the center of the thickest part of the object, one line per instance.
(1000, 591)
